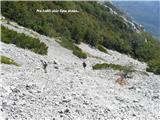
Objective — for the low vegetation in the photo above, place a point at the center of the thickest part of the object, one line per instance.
(102, 48)
(7, 60)
(106, 65)
(23, 41)
(126, 69)
(71, 46)
(154, 66)
(79, 53)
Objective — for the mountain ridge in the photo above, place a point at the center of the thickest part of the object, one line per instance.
(143, 12)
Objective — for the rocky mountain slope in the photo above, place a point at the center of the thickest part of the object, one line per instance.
(69, 92)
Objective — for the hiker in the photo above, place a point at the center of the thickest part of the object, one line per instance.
(84, 65)
(44, 66)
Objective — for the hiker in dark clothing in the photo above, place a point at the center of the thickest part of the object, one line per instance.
(44, 66)
(84, 65)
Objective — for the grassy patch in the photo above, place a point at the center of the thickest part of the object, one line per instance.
(102, 48)
(106, 65)
(113, 66)
(79, 53)
(7, 60)
(23, 41)
(75, 49)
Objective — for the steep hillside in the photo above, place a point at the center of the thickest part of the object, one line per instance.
(67, 91)
(88, 65)
(94, 24)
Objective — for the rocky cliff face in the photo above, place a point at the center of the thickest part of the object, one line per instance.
(69, 92)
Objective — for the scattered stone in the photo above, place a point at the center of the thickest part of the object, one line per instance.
(119, 99)
(28, 87)
(155, 97)
(66, 111)
(107, 110)
(135, 101)
(15, 90)
(132, 88)
(6, 118)
(65, 100)
(56, 67)
(134, 115)
(4, 104)
(38, 91)
(54, 62)
(60, 112)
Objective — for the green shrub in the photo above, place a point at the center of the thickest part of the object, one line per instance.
(106, 65)
(66, 43)
(154, 66)
(102, 48)
(71, 46)
(126, 69)
(80, 54)
(7, 60)
(23, 41)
